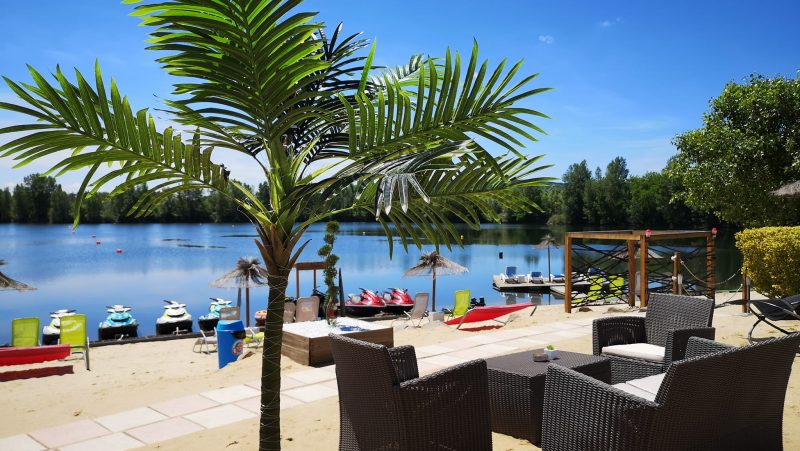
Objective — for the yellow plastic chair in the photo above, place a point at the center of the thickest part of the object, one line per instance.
(24, 332)
(615, 285)
(254, 337)
(461, 304)
(73, 333)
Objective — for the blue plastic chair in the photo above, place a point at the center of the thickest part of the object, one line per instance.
(511, 271)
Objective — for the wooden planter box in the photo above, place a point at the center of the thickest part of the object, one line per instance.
(315, 350)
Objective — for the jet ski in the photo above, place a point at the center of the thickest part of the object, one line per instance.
(398, 300)
(175, 320)
(368, 303)
(52, 332)
(209, 320)
(118, 324)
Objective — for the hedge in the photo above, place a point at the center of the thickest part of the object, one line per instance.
(772, 259)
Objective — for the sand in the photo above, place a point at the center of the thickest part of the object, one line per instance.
(135, 375)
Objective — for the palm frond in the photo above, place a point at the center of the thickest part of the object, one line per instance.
(97, 128)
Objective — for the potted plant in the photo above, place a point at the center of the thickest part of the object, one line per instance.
(551, 351)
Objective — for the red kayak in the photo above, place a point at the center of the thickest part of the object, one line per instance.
(488, 313)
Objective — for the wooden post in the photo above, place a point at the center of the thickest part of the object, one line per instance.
(676, 269)
(710, 277)
(297, 279)
(568, 274)
(745, 293)
(315, 280)
(643, 272)
(631, 272)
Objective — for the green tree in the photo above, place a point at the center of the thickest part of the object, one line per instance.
(575, 180)
(40, 188)
(748, 146)
(22, 204)
(614, 195)
(60, 207)
(6, 206)
(269, 82)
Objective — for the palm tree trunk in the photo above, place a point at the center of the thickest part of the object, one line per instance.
(549, 272)
(433, 306)
(269, 433)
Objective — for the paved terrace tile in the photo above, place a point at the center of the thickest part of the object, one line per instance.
(483, 352)
(21, 442)
(164, 430)
(130, 419)
(254, 404)
(116, 441)
(312, 393)
(182, 406)
(313, 375)
(220, 416)
(231, 394)
(426, 351)
(58, 436)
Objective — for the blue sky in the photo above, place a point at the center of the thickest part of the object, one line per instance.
(628, 75)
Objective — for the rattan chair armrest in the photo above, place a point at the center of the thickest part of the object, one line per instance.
(581, 412)
(698, 347)
(677, 339)
(404, 359)
(429, 405)
(617, 330)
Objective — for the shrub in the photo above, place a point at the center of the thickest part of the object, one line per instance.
(772, 259)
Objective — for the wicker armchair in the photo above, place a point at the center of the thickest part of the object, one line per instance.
(718, 398)
(385, 405)
(665, 330)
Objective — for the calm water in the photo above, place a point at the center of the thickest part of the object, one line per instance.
(162, 261)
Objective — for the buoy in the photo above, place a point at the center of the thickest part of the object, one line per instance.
(501, 255)
(119, 251)
(96, 242)
(94, 236)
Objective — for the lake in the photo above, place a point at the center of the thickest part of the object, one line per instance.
(177, 261)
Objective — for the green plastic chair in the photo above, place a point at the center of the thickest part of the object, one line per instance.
(461, 304)
(595, 288)
(615, 285)
(24, 332)
(73, 333)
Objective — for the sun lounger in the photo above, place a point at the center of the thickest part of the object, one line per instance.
(770, 310)
(488, 313)
(418, 312)
(208, 340)
(511, 272)
(24, 332)
(36, 354)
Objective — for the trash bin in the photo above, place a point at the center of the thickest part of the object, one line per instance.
(230, 341)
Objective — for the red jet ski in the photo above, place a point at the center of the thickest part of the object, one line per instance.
(368, 303)
(398, 300)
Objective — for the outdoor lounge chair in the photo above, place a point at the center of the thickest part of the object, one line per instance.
(24, 332)
(770, 310)
(418, 312)
(488, 313)
(718, 398)
(307, 309)
(384, 404)
(254, 337)
(460, 305)
(208, 340)
(511, 272)
(640, 347)
(536, 277)
(73, 333)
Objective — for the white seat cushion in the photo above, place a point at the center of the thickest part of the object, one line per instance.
(640, 351)
(628, 388)
(646, 387)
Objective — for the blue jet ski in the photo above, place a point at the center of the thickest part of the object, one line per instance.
(118, 324)
(209, 321)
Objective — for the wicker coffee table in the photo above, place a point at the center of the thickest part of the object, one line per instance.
(516, 389)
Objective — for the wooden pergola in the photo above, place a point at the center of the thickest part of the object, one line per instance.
(307, 266)
(642, 237)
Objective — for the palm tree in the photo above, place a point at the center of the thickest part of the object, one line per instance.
(433, 264)
(547, 241)
(262, 79)
(247, 274)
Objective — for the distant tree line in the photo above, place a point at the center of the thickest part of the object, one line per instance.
(610, 198)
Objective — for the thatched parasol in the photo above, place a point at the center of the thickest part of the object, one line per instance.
(247, 274)
(433, 264)
(7, 283)
(790, 190)
(547, 241)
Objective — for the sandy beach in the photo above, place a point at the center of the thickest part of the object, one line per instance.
(132, 376)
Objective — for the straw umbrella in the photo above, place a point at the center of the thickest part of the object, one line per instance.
(547, 241)
(247, 274)
(789, 190)
(433, 264)
(7, 283)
